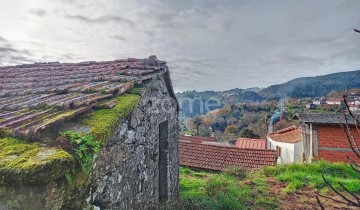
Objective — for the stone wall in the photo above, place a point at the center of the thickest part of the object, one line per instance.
(125, 173)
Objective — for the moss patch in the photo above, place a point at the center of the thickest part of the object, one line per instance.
(30, 163)
(136, 91)
(103, 122)
(5, 132)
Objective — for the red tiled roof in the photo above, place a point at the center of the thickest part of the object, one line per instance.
(197, 138)
(288, 135)
(251, 143)
(34, 96)
(219, 158)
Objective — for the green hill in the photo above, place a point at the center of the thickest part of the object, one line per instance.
(297, 88)
(312, 86)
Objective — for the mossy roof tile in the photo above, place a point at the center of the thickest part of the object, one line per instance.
(34, 96)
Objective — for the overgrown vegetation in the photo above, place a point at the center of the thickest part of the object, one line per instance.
(300, 175)
(136, 90)
(207, 190)
(85, 149)
(237, 189)
(103, 122)
(246, 120)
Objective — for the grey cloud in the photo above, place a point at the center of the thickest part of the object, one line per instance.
(100, 19)
(21, 59)
(38, 12)
(7, 49)
(9, 54)
(207, 44)
(118, 37)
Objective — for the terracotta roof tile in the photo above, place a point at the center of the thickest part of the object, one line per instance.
(251, 143)
(36, 95)
(219, 158)
(288, 135)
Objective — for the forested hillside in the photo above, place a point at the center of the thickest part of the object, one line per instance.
(296, 88)
(312, 86)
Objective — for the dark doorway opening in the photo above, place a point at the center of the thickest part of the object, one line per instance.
(163, 161)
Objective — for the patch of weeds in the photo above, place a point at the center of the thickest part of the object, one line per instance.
(86, 148)
(216, 191)
(237, 172)
(136, 91)
(68, 177)
(299, 175)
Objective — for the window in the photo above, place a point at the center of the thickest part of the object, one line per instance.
(278, 151)
(163, 161)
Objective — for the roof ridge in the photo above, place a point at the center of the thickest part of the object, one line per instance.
(249, 139)
(293, 127)
(236, 148)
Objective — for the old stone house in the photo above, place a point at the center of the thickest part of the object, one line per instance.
(127, 106)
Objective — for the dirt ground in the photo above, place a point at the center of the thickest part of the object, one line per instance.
(304, 198)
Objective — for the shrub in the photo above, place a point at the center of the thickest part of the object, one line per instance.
(85, 148)
(236, 171)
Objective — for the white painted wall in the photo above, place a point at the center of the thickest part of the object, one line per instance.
(297, 152)
(290, 152)
(333, 102)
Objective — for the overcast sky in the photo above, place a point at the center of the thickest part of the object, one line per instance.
(208, 44)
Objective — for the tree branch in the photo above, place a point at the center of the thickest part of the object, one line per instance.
(350, 202)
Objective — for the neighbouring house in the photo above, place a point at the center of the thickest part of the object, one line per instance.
(335, 101)
(350, 101)
(288, 144)
(323, 137)
(127, 106)
(319, 102)
(354, 108)
(248, 143)
(219, 158)
(310, 106)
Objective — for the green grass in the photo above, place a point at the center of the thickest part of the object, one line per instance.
(250, 190)
(300, 175)
(219, 191)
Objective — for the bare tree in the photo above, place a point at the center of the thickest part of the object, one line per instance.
(351, 127)
(197, 122)
(350, 121)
